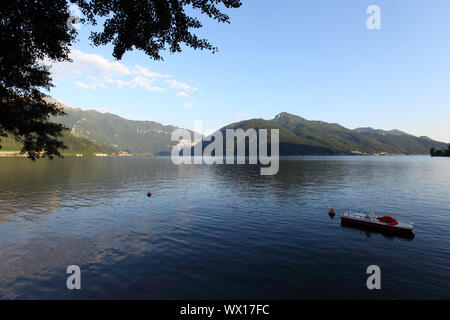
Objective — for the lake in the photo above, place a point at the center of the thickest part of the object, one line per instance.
(221, 231)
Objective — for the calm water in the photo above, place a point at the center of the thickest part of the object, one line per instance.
(221, 231)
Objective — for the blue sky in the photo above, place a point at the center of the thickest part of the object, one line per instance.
(314, 58)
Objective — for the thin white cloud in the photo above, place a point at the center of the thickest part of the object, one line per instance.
(149, 74)
(180, 85)
(98, 62)
(88, 64)
(189, 104)
(140, 82)
(92, 71)
(91, 85)
(82, 85)
(182, 94)
(241, 115)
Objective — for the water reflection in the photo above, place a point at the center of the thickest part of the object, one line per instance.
(387, 234)
(219, 231)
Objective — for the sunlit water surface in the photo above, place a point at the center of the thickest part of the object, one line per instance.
(223, 231)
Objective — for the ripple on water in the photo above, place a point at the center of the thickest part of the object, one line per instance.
(221, 231)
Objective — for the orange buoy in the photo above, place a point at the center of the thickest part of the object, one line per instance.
(331, 212)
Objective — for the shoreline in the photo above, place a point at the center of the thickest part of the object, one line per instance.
(17, 154)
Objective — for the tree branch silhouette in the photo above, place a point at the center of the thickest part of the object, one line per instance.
(35, 32)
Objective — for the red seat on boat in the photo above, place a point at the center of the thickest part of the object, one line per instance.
(388, 219)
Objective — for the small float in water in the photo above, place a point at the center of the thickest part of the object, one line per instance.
(372, 221)
(331, 212)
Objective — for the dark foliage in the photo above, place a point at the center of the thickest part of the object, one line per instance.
(153, 25)
(33, 32)
(440, 153)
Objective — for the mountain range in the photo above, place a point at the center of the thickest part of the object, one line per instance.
(115, 134)
(299, 136)
(93, 132)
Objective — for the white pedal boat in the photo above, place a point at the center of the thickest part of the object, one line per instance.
(371, 220)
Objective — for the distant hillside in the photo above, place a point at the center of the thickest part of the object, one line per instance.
(75, 145)
(404, 142)
(92, 131)
(290, 143)
(299, 136)
(116, 134)
(370, 130)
